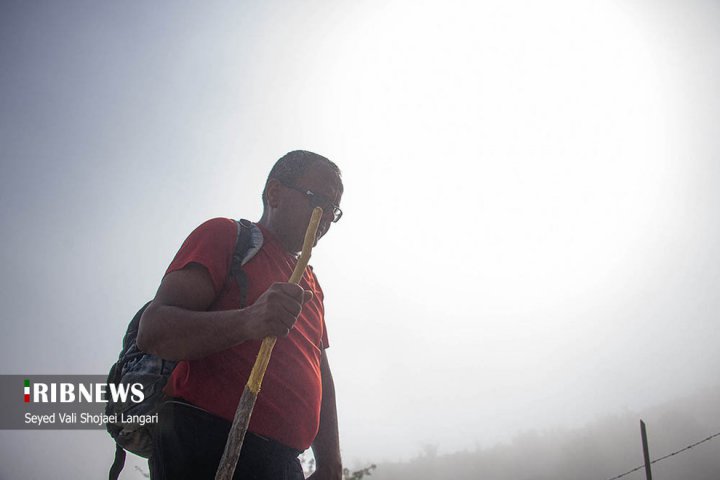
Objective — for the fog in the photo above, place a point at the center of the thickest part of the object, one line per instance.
(531, 237)
(606, 448)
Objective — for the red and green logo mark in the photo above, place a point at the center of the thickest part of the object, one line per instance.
(27, 390)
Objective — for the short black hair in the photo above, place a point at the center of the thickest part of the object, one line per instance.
(291, 166)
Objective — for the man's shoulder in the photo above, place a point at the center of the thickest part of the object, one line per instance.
(214, 235)
(218, 224)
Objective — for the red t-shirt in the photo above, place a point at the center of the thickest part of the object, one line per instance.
(288, 405)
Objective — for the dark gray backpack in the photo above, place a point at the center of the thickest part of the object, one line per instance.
(152, 372)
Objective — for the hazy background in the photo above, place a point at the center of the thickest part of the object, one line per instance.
(531, 236)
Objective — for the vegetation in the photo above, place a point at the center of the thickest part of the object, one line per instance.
(601, 450)
(358, 474)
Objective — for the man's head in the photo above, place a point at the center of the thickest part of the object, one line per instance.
(299, 181)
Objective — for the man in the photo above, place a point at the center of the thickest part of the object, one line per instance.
(196, 318)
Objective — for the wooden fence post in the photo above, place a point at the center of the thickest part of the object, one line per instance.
(646, 450)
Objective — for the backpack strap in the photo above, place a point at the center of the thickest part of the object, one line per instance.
(249, 241)
(118, 463)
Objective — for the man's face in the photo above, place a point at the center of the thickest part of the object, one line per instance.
(295, 206)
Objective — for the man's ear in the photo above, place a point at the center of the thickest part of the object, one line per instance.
(272, 192)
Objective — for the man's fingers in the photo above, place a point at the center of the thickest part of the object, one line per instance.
(307, 296)
(282, 332)
(294, 307)
(291, 306)
(287, 320)
(282, 304)
(290, 289)
(292, 297)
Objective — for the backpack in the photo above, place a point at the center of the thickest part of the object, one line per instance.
(153, 372)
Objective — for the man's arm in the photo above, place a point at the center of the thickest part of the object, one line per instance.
(175, 326)
(326, 446)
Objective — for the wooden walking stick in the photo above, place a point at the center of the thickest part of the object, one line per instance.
(229, 460)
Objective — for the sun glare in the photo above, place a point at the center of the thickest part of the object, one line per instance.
(522, 143)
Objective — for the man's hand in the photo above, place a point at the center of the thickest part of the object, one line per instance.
(275, 312)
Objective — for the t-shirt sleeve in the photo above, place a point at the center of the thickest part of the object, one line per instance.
(210, 245)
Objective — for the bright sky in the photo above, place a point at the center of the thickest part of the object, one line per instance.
(531, 233)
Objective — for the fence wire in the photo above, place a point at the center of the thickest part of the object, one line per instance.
(666, 456)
